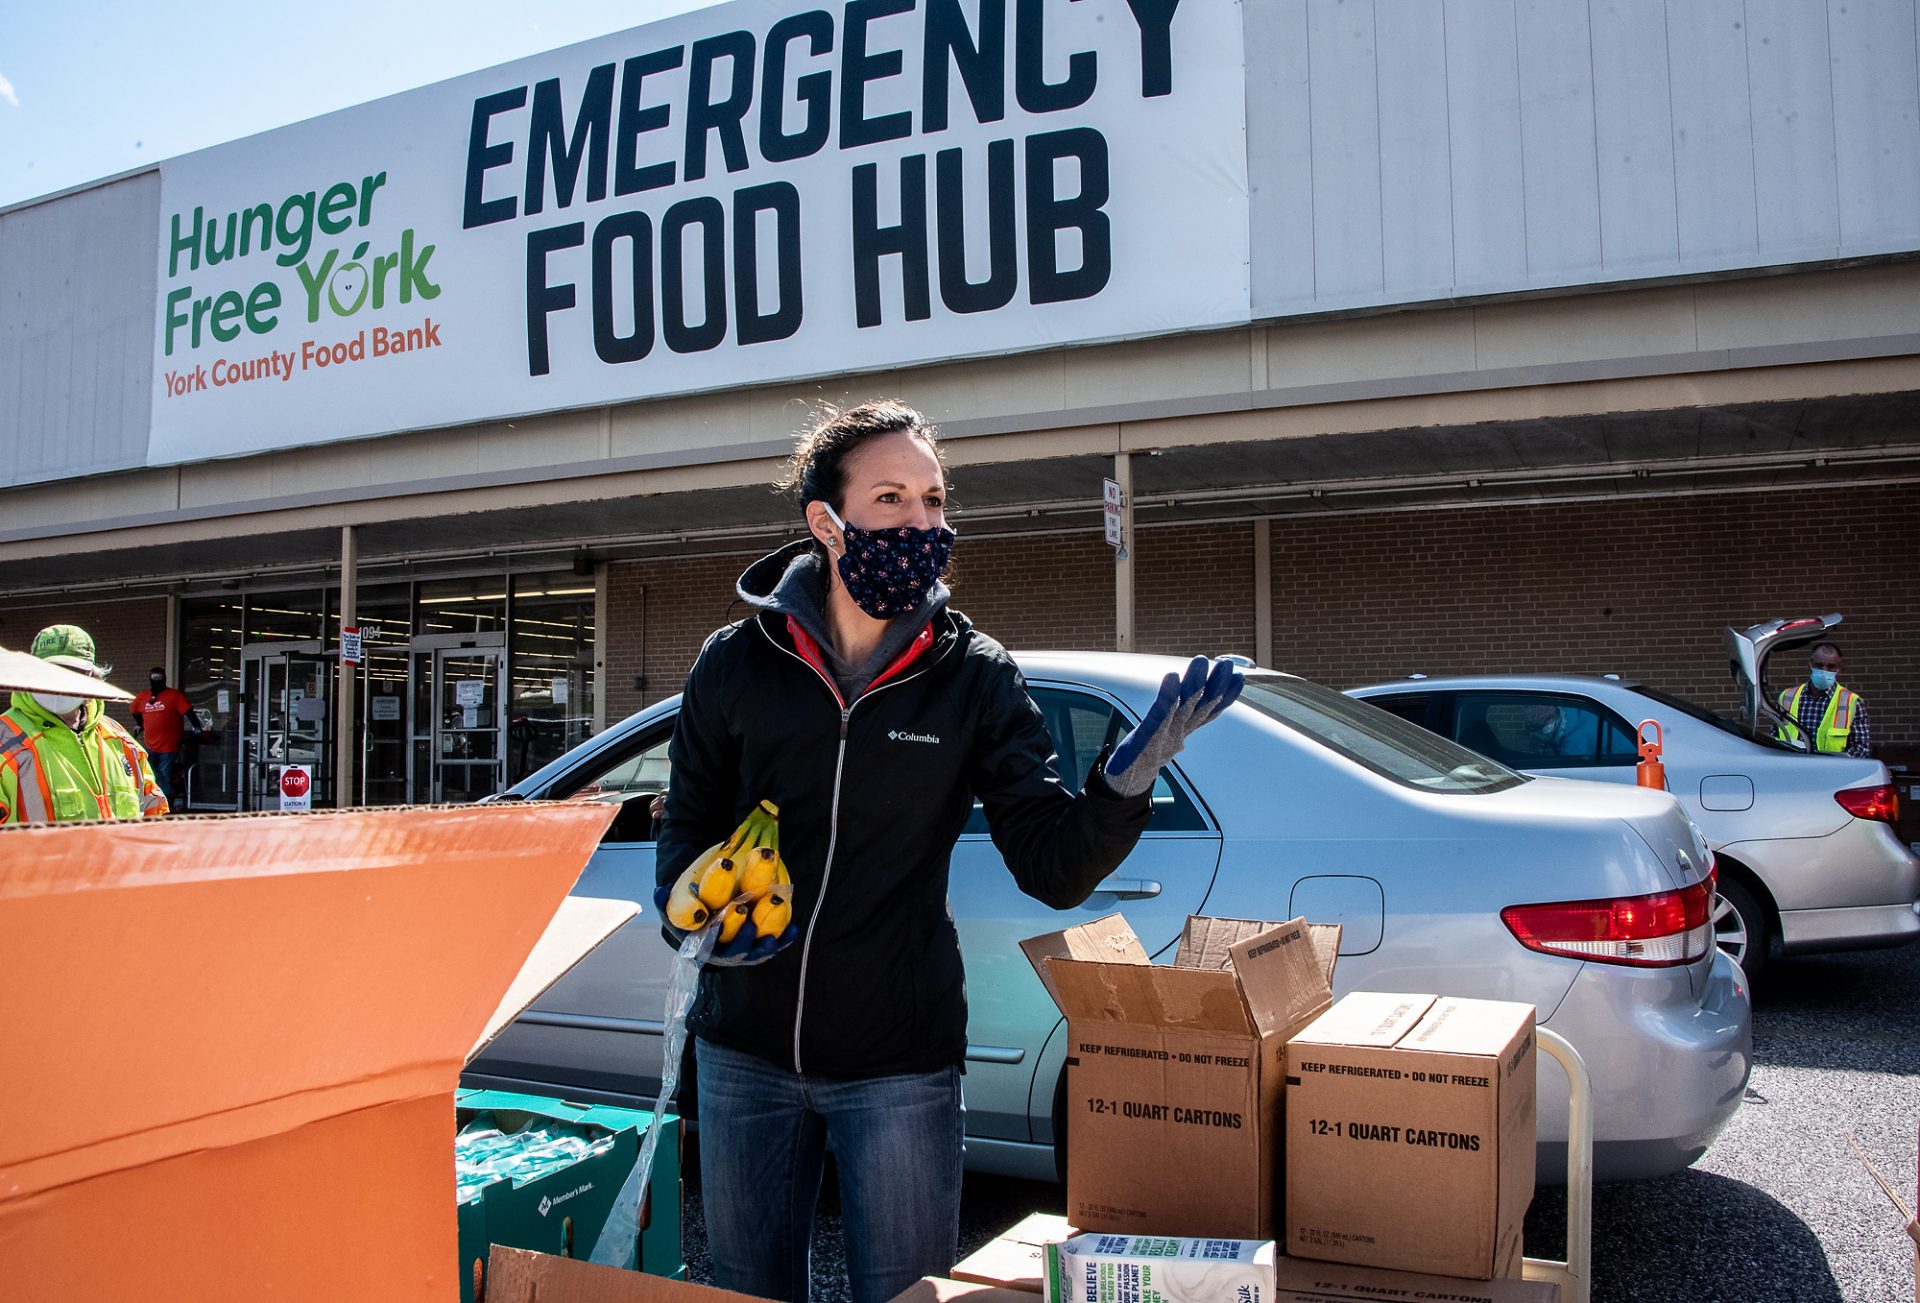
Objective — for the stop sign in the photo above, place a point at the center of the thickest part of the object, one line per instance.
(294, 782)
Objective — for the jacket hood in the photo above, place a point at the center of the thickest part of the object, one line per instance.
(30, 708)
(792, 581)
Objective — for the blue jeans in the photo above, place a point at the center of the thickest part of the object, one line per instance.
(763, 1139)
(170, 773)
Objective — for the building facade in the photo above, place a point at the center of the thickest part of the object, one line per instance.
(1485, 337)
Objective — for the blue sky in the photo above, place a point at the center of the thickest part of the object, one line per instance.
(89, 89)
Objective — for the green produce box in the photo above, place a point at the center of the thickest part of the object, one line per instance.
(561, 1208)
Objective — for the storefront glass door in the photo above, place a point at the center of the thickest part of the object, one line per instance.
(286, 720)
(460, 727)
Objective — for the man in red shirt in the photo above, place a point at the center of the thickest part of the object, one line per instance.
(160, 715)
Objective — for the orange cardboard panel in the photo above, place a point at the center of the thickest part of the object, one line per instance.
(237, 1040)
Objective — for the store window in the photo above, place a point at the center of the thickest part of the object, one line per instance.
(210, 635)
(285, 617)
(550, 705)
(476, 605)
(526, 642)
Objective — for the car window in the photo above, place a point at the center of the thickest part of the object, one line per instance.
(1414, 707)
(642, 769)
(1705, 716)
(1542, 730)
(1370, 736)
(1083, 725)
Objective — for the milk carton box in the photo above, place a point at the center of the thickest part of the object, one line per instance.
(1159, 1269)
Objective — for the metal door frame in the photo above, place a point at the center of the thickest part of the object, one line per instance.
(254, 660)
(436, 647)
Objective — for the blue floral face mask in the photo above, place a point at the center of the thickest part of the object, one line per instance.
(888, 571)
(1823, 680)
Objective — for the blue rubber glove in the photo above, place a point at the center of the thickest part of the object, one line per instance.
(1184, 704)
(660, 895)
(748, 947)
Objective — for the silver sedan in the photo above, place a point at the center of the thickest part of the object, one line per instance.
(1448, 873)
(1808, 857)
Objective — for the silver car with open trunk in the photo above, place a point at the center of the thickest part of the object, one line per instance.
(1809, 860)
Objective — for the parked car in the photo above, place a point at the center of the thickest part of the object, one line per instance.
(1809, 860)
(1449, 873)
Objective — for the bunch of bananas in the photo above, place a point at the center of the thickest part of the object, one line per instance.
(737, 881)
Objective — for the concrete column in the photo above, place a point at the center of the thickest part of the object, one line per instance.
(1123, 557)
(346, 742)
(1263, 594)
(601, 680)
(170, 659)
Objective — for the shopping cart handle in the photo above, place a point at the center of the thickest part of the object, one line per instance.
(1575, 1275)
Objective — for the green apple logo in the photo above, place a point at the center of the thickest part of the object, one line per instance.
(347, 287)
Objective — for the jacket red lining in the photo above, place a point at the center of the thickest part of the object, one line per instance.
(809, 650)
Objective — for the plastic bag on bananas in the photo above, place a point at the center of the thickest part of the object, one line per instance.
(619, 1242)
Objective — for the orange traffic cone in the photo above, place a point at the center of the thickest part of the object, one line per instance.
(1650, 772)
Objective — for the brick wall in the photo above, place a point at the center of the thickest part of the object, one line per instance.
(1052, 591)
(130, 635)
(659, 612)
(1641, 588)
(1193, 590)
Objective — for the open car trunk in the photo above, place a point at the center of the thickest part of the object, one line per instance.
(1747, 654)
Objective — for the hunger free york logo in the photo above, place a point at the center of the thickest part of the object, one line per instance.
(330, 284)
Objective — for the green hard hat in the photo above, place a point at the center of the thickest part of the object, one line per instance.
(68, 645)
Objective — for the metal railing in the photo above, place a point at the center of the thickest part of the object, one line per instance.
(1575, 1275)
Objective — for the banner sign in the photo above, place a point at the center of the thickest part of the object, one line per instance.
(745, 194)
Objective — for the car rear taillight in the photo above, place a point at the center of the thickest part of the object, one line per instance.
(1658, 931)
(1882, 802)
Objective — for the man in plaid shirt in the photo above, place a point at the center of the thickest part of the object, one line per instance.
(1834, 716)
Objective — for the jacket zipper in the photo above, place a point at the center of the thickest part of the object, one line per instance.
(96, 762)
(833, 823)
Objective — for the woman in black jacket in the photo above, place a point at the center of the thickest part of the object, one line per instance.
(871, 715)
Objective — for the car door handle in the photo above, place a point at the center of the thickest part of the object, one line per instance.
(1129, 888)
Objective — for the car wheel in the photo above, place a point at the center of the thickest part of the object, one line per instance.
(1740, 928)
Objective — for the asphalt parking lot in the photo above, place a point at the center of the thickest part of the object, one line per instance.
(1779, 1209)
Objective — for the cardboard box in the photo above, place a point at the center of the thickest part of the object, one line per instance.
(1017, 1260)
(518, 1276)
(1410, 1134)
(1017, 1257)
(1174, 1073)
(522, 1276)
(1299, 1280)
(939, 1289)
(564, 1211)
(236, 1040)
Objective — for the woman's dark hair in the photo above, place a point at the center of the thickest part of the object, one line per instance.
(818, 468)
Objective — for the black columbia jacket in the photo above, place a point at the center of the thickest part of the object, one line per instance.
(872, 794)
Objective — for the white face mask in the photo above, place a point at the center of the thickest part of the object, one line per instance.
(60, 706)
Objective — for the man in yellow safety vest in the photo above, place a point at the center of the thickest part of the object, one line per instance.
(61, 758)
(1836, 716)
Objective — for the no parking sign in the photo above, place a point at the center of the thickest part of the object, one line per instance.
(296, 787)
